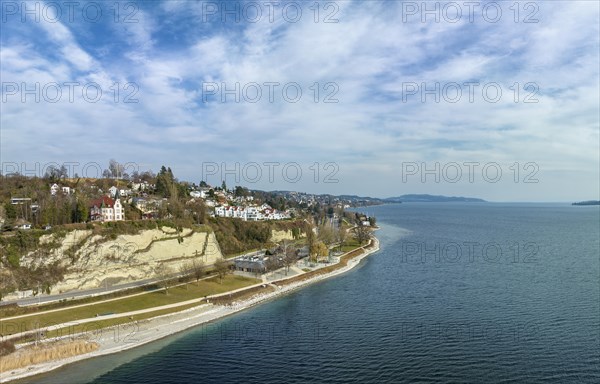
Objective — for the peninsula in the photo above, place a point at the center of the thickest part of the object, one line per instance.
(588, 202)
(424, 198)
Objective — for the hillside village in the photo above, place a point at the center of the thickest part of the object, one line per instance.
(88, 248)
(110, 205)
(60, 232)
(56, 199)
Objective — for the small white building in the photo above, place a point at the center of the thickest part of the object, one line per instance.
(112, 191)
(54, 188)
(201, 194)
(141, 186)
(250, 213)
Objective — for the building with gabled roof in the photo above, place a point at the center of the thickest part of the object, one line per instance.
(106, 209)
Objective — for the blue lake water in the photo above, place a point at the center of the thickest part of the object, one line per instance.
(465, 293)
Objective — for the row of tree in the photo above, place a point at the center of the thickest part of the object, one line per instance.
(52, 210)
(196, 269)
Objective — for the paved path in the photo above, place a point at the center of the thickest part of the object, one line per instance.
(149, 330)
(72, 295)
(95, 302)
(122, 314)
(294, 269)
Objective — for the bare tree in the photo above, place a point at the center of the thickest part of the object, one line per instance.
(326, 234)
(362, 233)
(272, 263)
(116, 170)
(311, 238)
(195, 268)
(198, 269)
(289, 258)
(184, 271)
(341, 236)
(54, 173)
(222, 268)
(198, 210)
(164, 274)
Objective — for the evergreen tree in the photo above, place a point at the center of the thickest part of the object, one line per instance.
(165, 182)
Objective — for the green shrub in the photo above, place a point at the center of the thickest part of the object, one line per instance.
(235, 235)
(13, 258)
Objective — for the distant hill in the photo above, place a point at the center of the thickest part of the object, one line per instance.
(323, 199)
(432, 199)
(589, 202)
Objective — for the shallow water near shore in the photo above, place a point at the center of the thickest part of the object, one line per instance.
(459, 292)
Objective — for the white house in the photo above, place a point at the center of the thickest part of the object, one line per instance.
(112, 191)
(220, 211)
(229, 211)
(106, 209)
(250, 213)
(54, 188)
(141, 186)
(201, 194)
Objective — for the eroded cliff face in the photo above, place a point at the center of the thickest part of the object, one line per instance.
(277, 236)
(94, 261)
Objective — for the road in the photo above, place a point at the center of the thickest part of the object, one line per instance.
(43, 299)
(79, 294)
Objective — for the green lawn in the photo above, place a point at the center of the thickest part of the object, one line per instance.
(127, 304)
(93, 329)
(350, 245)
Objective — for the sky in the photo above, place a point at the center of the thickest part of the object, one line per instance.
(497, 100)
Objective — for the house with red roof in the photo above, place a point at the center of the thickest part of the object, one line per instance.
(106, 209)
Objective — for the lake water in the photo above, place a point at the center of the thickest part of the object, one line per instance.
(468, 293)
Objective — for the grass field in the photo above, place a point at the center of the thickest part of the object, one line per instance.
(153, 299)
(124, 327)
(350, 245)
(95, 329)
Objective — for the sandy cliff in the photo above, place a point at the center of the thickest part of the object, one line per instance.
(94, 261)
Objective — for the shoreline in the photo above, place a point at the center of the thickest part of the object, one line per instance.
(163, 326)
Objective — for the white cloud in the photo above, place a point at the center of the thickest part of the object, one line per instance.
(369, 54)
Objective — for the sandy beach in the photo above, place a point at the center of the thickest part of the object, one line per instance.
(136, 334)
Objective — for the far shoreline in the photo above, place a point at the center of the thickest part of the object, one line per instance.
(161, 327)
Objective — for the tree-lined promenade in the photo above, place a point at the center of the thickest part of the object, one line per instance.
(319, 239)
(185, 301)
